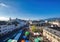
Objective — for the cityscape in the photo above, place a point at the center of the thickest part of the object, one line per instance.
(29, 21)
(17, 30)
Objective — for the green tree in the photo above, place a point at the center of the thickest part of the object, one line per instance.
(33, 28)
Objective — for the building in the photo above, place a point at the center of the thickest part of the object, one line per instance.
(11, 25)
(52, 33)
(35, 22)
(55, 23)
(6, 28)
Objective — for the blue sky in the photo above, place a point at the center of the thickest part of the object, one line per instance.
(30, 9)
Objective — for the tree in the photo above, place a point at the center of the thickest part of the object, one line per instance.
(33, 28)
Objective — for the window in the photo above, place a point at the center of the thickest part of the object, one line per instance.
(0, 30)
(54, 36)
(58, 39)
(54, 32)
(51, 34)
(48, 33)
(50, 30)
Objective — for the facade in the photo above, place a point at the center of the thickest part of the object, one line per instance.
(52, 34)
(4, 29)
(36, 23)
(30, 21)
(55, 23)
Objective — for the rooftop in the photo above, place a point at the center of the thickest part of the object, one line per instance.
(53, 30)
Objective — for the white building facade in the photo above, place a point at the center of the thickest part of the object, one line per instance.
(4, 29)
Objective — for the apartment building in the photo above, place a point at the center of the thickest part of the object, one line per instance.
(6, 28)
(55, 23)
(11, 25)
(52, 33)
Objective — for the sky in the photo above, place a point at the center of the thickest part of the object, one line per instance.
(29, 9)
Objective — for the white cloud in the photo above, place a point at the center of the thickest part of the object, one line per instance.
(3, 5)
(4, 18)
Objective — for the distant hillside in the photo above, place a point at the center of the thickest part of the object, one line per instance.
(53, 19)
